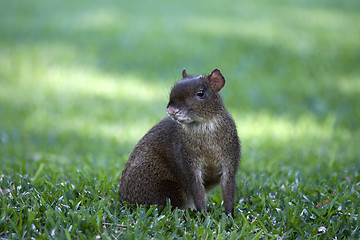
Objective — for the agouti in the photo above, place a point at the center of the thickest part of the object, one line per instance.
(187, 153)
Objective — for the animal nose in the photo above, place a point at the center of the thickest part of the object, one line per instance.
(172, 110)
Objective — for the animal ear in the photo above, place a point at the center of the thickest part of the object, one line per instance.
(184, 73)
(217, 80)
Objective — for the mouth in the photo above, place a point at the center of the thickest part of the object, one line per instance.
(181, 119)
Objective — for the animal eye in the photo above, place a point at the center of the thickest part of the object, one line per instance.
(200, 93)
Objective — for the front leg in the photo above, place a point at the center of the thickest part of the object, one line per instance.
(228, 191)
(229, 170)
(198, 191)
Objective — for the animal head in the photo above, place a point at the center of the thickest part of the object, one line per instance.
(196, 99)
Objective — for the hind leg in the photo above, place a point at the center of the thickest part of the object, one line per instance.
(172, 190)
(150, 181)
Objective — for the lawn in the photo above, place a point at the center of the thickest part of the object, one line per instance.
(82, 81)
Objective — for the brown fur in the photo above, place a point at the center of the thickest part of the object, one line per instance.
(187, 153)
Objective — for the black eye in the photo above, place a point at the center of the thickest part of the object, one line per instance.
(200, 93)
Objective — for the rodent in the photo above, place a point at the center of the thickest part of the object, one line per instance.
(188, 152)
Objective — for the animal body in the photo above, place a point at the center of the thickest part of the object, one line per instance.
(188, 152)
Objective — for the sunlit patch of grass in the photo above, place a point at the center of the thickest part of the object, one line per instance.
(349, 84)
(266, 126)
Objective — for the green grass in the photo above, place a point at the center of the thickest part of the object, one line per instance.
(82, 81)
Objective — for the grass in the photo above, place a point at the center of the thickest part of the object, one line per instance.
(81, 82)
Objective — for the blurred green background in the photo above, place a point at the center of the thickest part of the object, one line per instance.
(82, 81)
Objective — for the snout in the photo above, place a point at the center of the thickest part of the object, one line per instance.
(179, 115)
(172, 111)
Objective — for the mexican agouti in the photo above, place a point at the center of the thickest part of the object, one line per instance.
(188, 152)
